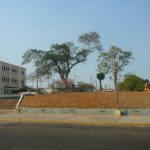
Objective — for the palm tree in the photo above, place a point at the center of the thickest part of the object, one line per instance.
(100, 77)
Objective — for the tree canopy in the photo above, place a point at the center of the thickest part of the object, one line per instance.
(61, 58)
(100, 77)
(132, 82)
(114, 61)
(91, 40)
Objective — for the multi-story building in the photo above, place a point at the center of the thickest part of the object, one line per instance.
(12, 77)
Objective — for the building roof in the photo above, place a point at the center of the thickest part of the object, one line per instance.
(12, 65)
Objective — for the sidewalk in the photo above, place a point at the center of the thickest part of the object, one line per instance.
(103, 120)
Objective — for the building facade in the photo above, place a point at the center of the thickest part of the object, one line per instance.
(12, 77)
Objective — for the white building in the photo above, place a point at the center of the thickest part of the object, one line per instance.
(11, 77)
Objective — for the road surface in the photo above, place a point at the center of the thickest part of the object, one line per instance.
(72, 137)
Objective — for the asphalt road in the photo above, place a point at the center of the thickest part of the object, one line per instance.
(72, 137)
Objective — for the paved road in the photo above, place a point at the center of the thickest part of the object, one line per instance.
(72, 137)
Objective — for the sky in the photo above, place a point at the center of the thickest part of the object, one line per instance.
(26, 24)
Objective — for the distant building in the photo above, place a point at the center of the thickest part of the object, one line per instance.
(11, 77)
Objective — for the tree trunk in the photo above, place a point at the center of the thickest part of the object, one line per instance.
(100, 83)
(65, 83)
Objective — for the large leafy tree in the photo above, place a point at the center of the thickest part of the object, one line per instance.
(132, 82)
(114, 61)
(61, 58)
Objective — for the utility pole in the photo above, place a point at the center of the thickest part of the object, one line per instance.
(96, 83)
(117, 111)
(117, 90)
(37, 78)
(91, 80)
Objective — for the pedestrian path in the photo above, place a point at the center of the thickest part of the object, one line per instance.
(106, 120)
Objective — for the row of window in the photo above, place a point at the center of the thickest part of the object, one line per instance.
(5, 68)
(14, 80)
(5, 79)
(14, 70)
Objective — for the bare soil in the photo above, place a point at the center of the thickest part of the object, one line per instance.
(9, 103)
(89, 100)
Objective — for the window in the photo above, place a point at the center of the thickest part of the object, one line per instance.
(12, 80)
(22, 72)
(22, 82)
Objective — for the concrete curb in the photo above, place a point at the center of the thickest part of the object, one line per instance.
(67, 111)
(75, 122)
(79, 111)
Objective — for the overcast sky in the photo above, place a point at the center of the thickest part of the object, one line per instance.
(26, 24)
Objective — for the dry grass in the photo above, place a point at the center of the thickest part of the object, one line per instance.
(89, 100)
(9, 103)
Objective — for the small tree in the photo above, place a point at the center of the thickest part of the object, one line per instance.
(114, 61)
(85, 85)
(60, 83)
(100, 77)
